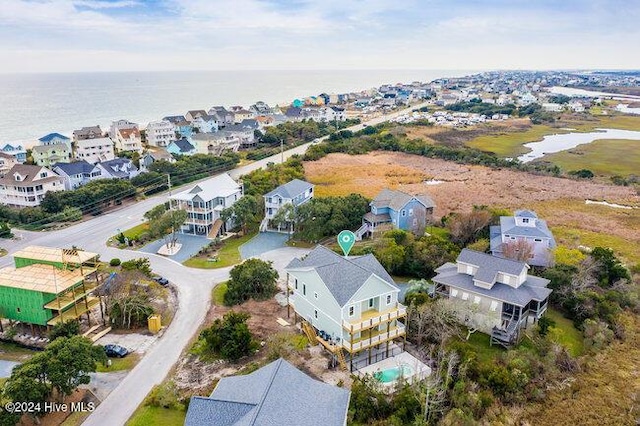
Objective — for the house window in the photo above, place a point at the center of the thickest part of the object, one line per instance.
(403, 213)
(296, 283)
(494, 306)
(315, 313)
(538, 240)
(351, 310)
(476, 300)
(525, 220)
(18, 310)
(465, 296)
(410, 212)
(454, 292)
(371, 303)
(315, 294)
(304, 289)
(388, 299)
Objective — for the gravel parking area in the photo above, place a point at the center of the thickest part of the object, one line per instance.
(135, 342)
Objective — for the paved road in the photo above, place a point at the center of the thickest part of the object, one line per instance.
(194, 288)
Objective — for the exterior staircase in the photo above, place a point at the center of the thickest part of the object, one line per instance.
(361, 231)
(310, 332)
(215, 228)
(264, 224)
(341, 359)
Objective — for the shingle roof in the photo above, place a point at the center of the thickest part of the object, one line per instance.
(489, 266)
(508, 226)
(342, 276)
(75, 168)
(114, 167)
(276, 394)
(47, 148)
(534, 288)
(184, 145)
(220, 186)
(526, 213)
(91, 132)
(28, 173)
(174, 118)
(397, 199)
(291, 189)
(52, 136)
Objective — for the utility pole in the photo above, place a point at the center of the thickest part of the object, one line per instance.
(169, 182)
(281, 150)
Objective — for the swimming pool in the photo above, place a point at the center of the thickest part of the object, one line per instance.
(392, 374)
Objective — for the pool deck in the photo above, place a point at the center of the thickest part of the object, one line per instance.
(419, 368)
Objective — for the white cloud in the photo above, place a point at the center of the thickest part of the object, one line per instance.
(99, 4)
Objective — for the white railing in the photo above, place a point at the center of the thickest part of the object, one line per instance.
(377, 339)
(355, 326)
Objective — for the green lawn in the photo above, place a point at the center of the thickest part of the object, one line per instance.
(157, 416)
(120, 364)
(133, 233)
(484, 351)
(602, 157)
(565, 333)
(228, 255)
(572, 237)
(218, 292)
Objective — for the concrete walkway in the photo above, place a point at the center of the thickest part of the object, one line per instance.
(191, 245)
(262, 243)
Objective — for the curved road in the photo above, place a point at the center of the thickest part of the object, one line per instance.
(193, 285)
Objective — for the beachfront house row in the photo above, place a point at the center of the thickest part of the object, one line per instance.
(77, 173)
(351, 303)
(25, 185)
(204, 202)
(17, 151)
(160, 133)
(276, 394)
(493, 295)
(54, 139)
(118, 168)
(205, 123)
(523, 231)
(92, 146)
(6, 163)
(215, 143)
(128, 140)
(398, 209)
(294, 193)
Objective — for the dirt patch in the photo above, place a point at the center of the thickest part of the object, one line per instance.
(561, 200)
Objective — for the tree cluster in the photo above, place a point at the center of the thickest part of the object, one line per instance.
(230, 337)
(476, 106)
(327, 216)
(252, 279)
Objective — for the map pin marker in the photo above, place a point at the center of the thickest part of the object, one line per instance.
(346, 240)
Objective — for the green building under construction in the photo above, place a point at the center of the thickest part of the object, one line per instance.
(48, 285)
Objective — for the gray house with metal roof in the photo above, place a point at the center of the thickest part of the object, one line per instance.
(295, 193)
(494, 295)
(276, 394)
(524, 225)
(350, 302)
(401, 210)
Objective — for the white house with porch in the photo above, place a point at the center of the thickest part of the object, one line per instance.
(204, 202)
(493, 295)
(348, 304)
(294, 193)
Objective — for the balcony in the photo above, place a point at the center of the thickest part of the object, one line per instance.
(373, 318)
(373, 337)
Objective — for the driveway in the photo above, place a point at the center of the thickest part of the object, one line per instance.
(262, 243)
(135, 342)
(191, 245)
(6, 367)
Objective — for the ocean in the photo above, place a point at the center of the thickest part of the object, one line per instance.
(33, 105)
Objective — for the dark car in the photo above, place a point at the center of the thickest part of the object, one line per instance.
(162, 281)
(115, 351)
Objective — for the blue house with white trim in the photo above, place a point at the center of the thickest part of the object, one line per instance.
(54, 139)
(401, 210)
(16, 151)
(181, 147)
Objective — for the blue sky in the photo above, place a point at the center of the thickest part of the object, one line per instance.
(132, 35)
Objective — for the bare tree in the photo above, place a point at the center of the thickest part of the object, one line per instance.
(419, 222)
(464, 228)
(434, 322)
(519, 249)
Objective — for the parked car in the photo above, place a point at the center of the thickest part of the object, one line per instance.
(115, 351)
(162, 281)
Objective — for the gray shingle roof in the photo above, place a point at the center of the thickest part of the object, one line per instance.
(75, 168)
(342, 276)
(276, 394)
(508, 226)
(398, 199)
(290, 189)
(183, 145)
(490, 265)
(526, 213)
(534, 288)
